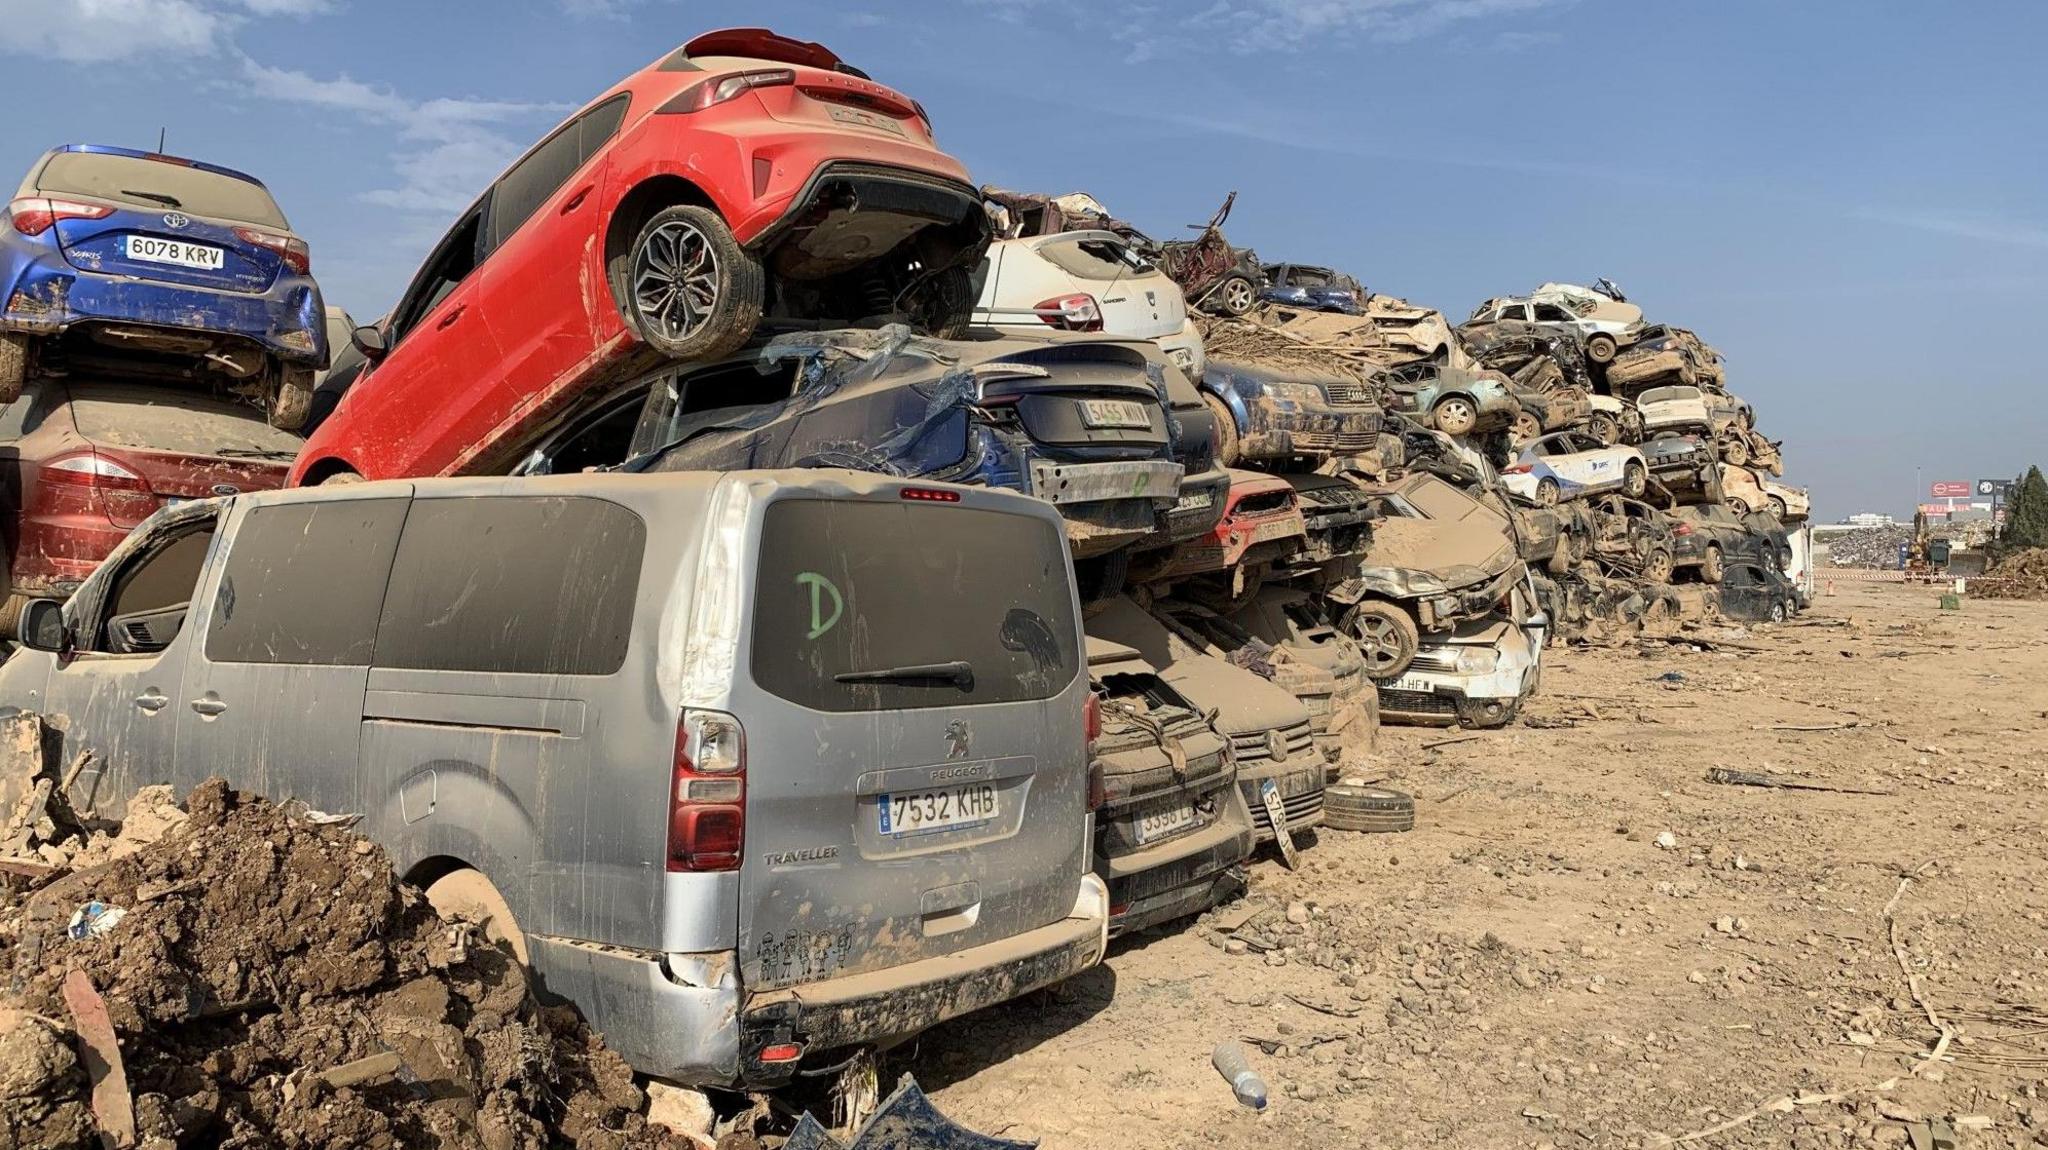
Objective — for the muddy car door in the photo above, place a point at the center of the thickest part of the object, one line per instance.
(916, 763)
(281, 648)
(117, 691)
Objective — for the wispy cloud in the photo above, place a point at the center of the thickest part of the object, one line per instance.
(96, 31)
(452, 150)
(1969, 226)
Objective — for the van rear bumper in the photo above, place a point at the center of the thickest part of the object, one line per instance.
(880, 1006)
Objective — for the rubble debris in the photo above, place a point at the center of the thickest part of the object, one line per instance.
(1734, 778)
(2020, 575)
(273, 983)
(906, 1120)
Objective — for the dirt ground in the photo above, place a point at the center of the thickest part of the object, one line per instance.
(1584, 942)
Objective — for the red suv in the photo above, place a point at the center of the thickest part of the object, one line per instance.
(83, 460)
(743, 176)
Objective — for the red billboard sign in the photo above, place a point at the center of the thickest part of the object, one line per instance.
(1955, 489)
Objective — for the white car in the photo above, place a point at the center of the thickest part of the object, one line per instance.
(1477, 675)
(1673, 410)
(1747, 489)
(1569, 464)
(1086, 281)
(1606, 324)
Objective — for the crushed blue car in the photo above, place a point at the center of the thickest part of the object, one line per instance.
(1451, 399)
(1266, 413)
(123, 262)
(1315, 288)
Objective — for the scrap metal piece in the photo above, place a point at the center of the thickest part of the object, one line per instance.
(906, 1120)
(113, 1108)
(1276, 810)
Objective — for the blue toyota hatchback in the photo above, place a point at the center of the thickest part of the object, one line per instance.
(133, 263)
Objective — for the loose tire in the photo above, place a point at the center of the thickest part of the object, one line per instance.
(13, 365)
(293, 404)
(1386, 636)
(1225, 435)
(687, 288)
(1236, 295)
(1601, 348)
(1634, 480)
(1454, 415)
(1353, 806)
(1605, 428)
(1711, 568)
(1778, 509)
(1735, 451)
(469, 896)
(1546, 491)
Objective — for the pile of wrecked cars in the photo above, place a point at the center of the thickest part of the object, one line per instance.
(866, 542)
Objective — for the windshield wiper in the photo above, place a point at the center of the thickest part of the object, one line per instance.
(255, 453)
(958, 673)
(158, 197)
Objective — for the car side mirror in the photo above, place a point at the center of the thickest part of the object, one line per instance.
(42, 627)
(370, 341)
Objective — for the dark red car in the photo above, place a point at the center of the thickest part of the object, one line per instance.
(83, 461)
(744, 176)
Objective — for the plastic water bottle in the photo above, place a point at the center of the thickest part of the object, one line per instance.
(1233, 1064)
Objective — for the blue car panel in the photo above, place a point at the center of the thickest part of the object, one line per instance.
(1296, 413)
(77, 258)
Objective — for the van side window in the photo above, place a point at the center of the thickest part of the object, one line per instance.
(303, 582)
(151, 595)
(531, 585)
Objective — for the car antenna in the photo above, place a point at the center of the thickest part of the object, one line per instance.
(160, 133)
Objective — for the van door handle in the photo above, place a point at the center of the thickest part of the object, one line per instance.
(575, 201)
(454, 314)
(209, 706)
(152, 700)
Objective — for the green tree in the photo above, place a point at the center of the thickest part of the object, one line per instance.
(2026, 512)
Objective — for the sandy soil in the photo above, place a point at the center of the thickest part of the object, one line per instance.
(1532, 967)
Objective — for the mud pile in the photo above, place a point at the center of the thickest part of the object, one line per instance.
(270, 983)
(2020, 575)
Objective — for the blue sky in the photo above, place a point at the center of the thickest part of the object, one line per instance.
(1847, 198)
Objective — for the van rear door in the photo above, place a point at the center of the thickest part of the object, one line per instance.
(912, 700)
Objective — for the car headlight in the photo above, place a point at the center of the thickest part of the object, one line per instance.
(1295, 392)
(1478, 660)
(1424, 583)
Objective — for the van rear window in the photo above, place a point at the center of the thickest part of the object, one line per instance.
(159, 185)
(847, 588)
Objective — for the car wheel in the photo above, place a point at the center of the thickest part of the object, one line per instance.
(1710, 567)
(1454, 415)
(293, 404)
(1353, 806)
(469, 896)
(1735, 451)
(1777, 509)
(1777, 610)
(1657, 568)
(1546, 491)
(1386, 636)
(13, 365)
(1601, 348)
(942, 305)
(1526, 428)
(1606, 429)
(1225, 435)
(1236, 295)
(1738, 504)
(691, 291)
(1634, 480)
(340, 479)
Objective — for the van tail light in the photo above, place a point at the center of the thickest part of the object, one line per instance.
(1070, 312)
(1091, 717)
(707, 811)
(718, 89)
(33, 215)
(293, 250)
(91, 469)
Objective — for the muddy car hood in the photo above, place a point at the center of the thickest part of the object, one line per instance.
(1245, 704)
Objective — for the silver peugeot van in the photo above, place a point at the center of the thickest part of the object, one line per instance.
(757, 768)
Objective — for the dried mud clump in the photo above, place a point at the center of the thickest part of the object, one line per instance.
(262, 958)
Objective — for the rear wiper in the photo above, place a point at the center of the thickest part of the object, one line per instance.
(958, 673)
(158, 197)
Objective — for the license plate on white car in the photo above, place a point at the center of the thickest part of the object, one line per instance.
(183, 253)
(938, 809)
(1165, 824)
(1114, 413)
(1413, 683)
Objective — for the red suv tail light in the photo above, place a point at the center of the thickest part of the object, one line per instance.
(91, 469)
(1070, 313)
(718, 89)
(33, 215)
(293, 250)
(707, 813)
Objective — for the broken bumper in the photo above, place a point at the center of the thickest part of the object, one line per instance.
(1301, 793)
(1178, 877)
(288, 321)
